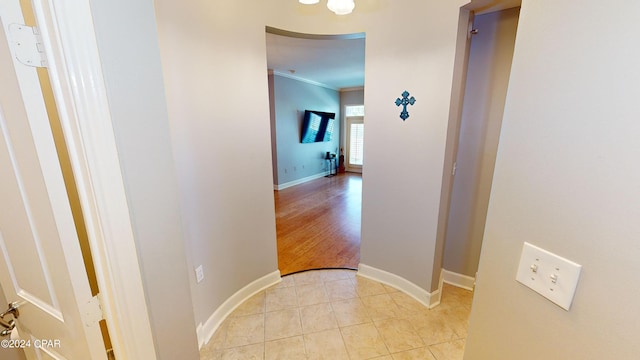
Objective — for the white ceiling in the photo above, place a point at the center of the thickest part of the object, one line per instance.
(331, 61)
(336, 62)
(487, 6)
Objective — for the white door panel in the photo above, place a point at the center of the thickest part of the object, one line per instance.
(41, 263)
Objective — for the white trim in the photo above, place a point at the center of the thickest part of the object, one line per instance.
(279, 73)
(427, 299)
(440, 285)
(299, 181)
(79, 90)
(297, 35)
(354, 88)
(459, 280)
(206, 331)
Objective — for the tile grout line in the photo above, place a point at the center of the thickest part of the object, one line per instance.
(339, 327)
(371, 319)
(264, 326)
(323, 280)
(304, 342)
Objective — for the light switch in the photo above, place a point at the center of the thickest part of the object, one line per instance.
(199, 274)
(550, 275)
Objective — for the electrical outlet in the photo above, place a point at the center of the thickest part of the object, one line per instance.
(548, 274)
(199, 274)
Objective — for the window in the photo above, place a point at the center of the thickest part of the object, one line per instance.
(354, 110)
(356, 141)
(355, 137)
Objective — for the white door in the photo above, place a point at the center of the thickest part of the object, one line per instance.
(41, 265)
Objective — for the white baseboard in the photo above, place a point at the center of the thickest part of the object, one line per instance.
(299, 181)
(206, 331)
(429, 300)
(459, 280)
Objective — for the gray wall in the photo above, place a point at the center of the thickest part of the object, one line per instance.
(567, 180)
(291, 98)
(489, 66)
(403, 178)
(214, 64)
(132, 72)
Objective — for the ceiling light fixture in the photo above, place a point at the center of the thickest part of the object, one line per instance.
(339, 7)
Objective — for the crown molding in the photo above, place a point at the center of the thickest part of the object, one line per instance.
(290, 76)
(354, 88)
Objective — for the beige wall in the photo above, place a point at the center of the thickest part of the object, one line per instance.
(489, 66)
(567, 180)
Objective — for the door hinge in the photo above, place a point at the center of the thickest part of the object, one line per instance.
(93, 311)
(455, 167)
(27, 45)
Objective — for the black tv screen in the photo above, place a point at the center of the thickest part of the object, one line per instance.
(317, 126)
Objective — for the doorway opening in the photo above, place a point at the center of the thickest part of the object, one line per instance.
(317, 216)
(490, 37)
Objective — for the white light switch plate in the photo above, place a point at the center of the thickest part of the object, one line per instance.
(550, 275)
(199, 274)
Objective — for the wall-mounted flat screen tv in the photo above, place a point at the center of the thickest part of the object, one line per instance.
(317, 126)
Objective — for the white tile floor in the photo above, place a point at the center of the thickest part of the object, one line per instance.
(334, 314)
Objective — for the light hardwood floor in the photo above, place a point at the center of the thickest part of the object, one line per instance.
(318, 224)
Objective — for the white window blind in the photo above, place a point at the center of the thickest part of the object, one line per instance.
(356, 143)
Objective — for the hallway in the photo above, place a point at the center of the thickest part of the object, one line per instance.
(318, 224)
(334, 314)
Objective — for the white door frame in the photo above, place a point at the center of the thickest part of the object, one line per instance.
(79, 89)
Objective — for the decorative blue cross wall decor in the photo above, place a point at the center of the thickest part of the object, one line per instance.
(406, 100)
